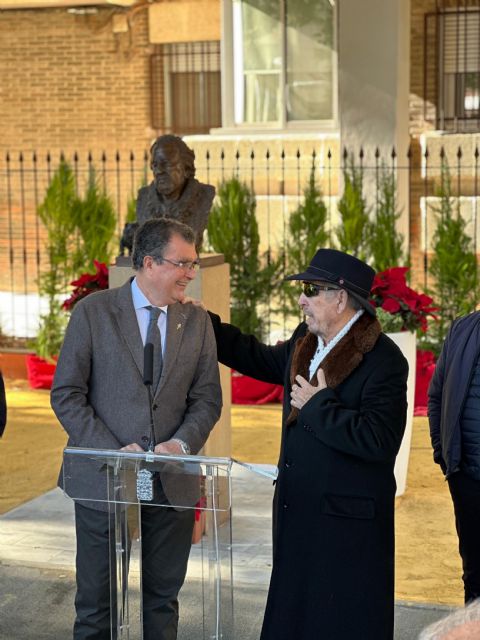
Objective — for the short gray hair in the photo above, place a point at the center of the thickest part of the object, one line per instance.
(153, 236)
(353, 303)
(462, 620)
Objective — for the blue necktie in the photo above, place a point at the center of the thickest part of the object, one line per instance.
(153, 336)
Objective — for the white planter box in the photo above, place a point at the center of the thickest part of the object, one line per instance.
(407, 342)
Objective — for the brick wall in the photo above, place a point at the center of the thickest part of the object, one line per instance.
(69, 81)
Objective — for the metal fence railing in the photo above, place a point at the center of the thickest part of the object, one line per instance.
(278, 181)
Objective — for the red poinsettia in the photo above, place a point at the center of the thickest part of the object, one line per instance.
(86, 284)
(391, 293)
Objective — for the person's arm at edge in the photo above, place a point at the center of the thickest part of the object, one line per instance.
(435, 393)
(3, 406)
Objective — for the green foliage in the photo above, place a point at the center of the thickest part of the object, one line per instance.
(352, 232)
(79, 230)
(95, 221)
(453, 265)
(49, 338)
(390, 322)
(56, 213)
(384, 242)
(132, 202)
(233, 231)
(131, 210)
(306, 234)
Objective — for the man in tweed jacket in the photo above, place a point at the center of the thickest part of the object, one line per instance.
(99, 397)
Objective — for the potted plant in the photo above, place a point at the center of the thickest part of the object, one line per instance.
(56, 215)
(399, 307)
(78, 230)
(233, 231)
(402, 312)
(87, 283)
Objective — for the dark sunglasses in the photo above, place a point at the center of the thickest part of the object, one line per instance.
(311, 290)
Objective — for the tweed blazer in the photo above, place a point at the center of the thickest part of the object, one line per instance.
(98, 393)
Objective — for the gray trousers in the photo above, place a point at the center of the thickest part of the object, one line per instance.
(166, 541)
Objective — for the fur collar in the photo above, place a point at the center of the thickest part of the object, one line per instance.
(342, 359)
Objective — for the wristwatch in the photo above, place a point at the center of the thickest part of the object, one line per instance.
(183, 446)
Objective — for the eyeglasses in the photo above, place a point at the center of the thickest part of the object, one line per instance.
(193, 265)
(311, 290)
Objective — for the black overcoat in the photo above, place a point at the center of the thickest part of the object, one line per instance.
(333, 533)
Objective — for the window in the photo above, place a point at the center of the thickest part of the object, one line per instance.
(186, 96)
(283, 61)
(453, 37)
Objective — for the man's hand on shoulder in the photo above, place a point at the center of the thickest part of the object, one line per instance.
(196, 303)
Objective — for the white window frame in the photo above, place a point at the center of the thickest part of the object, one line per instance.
(228, 90)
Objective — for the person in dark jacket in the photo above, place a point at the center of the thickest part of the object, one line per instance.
(343, 420)
(3, 406)
(454, 416)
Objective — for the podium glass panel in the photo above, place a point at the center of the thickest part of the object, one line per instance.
(124, 484)
(230, 558)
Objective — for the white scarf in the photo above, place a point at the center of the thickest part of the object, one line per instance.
(323, 350)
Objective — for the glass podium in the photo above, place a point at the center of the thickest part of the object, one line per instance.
(121, 483)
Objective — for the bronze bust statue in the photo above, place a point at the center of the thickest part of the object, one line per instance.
(174, 192)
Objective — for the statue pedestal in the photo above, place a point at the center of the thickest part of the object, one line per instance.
(212, 286)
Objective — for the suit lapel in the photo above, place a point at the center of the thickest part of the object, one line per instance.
(176, 319)
(128, 324)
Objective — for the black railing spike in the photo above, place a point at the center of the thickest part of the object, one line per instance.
(20, 158)
(117, 157)
(7, 157)
(207, 155)
(442, 153)
(409, 151)
(132, 156)
(237, 155)
(89, 157)
(329, 154)
(345, 154)
(476, 153)
(252, 155)
(427, 153)
(393, 155)
(49, 158)
(314, 155)
(104, 157)
(361, 154)
(62, 156)
(282, 155)
(267, 155)
(75, 157)
(298, 154)
(34, 157)
(377, 153)
(145, 155)
(459, 152)
(222, 155)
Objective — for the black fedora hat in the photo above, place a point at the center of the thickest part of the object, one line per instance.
(344, 270)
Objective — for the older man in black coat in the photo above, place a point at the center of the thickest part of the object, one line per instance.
(344, 418)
